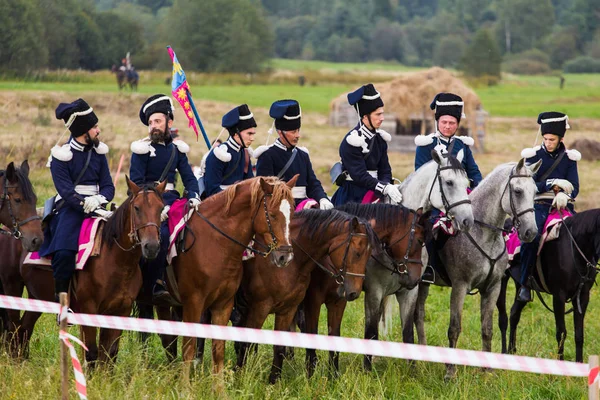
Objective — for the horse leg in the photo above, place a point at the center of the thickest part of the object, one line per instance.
(335, 313)
(109, 345)
(561, 329)
(407, 302)
(578, 319)
(169, 342)
(488, 300)
(423, 293)
(515, 316)
(13, 323)
(312, 310)
(26, 330)
(373, 310)
(192, 310)
(88, 335)
(457, 301)
(145, 311)
(254, 317)
(204, 319)
(502, 314)
(220, 316)
(282, 323)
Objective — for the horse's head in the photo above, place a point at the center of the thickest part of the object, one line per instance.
(273, 223)
(17, 206)
(518, 198)
(403, 247)
(145, 206)
(448, 190)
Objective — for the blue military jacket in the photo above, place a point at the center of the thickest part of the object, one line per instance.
(148, 161)
(435, 141)
(364, 174)
(272, 159)
(66, 163)
(226, 161)
(566, 169)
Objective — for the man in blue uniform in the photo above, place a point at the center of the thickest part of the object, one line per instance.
(365, 166)
(284, 158)
(154, 159)
(448, 109)
(448, 112)
(230, 162)
(557, 183)
(82, 179)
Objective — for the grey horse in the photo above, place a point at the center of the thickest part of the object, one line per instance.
(477, 259)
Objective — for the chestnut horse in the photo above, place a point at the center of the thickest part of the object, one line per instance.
(209, 271)
(111, 281)
(19, 215)
(315, 234)
(401, 235)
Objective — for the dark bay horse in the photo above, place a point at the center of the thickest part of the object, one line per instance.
(569, 268)
(125, 78)
(209, 272)
(111, 281)
(23, 229)
(395, 262)
(345, 239)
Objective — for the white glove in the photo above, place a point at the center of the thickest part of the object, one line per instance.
(164, 214)
(91, 203)
(195, 202)
(393, 193)
(560, 200)
(325, 204)
(563, 184)
(103, 213)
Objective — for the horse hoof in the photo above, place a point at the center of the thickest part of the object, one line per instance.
(450, 374)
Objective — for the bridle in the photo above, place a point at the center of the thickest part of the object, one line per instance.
(333, 272)
(16, 224)
(405, 260)
(513, 209)
(445, 202)
(269, 247)
(134, 231)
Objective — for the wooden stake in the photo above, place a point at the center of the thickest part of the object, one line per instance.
(593, 389)
(64, 351)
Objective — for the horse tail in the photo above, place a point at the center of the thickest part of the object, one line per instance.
(385, 321)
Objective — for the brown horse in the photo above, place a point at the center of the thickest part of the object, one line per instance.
(209, 272)
(315, 234)
(18, 214)
(401, 234)
(111, 281)
(125, 78)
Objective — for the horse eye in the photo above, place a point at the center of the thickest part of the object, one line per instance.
(137, 209)
(518, 192)
(274, 216)
(17, 200)
(450, 183)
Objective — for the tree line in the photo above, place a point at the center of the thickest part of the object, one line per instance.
(242, 35)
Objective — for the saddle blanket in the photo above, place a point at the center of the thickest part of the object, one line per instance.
(306, 204)
(177, 220)
(89, 245)
(549, 233)
(370, 198)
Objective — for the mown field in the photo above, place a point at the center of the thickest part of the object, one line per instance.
(30, 130)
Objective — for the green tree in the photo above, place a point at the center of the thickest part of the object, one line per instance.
(482, 57)
(448, 51)
(60, 27)
(525, 23)
(90, 42)
(119, 36)
(386, 41)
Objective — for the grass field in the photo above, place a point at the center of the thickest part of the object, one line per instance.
(30, 130)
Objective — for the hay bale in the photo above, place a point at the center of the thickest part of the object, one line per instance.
(589, 149)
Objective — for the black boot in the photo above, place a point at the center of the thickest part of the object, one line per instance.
(428, 275)
(524, 294)
(161, 296)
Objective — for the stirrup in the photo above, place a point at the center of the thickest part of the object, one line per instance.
(69, 311)
(430, 269)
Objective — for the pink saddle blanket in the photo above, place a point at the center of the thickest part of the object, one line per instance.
(177, 219)
(87, 236)
(306, 204)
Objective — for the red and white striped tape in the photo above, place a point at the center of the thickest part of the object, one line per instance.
(594, 376)
(77, 370)
(319, 342)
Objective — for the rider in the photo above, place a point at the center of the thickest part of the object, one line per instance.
(230, 162)
(154, 159)
(365, 167)
(82, 179)
(557, 184)
(448, 112)
(282, 158)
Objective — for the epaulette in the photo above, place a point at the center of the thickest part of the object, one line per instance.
(573, 154)
(182, 146)
(62, 153)
(143, 146)
(101, 149)
(304, 149)
(384, 135)
(530, 151)
(221, 153)
(469, 141)
(356, 140)
(424, 140)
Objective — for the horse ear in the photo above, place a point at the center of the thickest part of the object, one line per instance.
(422, 217)
(267, 188)
(355, 224)
(161, 186)
(11, 173)
(25, 168)
(535, 167)
(373, 222)
(292, 182)
(520, 164)
(461, 155)
(435, 156)
(132, 187)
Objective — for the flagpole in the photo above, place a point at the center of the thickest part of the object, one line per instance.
(198, 118)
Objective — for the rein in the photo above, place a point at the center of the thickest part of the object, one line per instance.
(445, 202)
(133, 233)
(16, 232)
(340, 275)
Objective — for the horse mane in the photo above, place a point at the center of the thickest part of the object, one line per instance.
(386, 215)
(280, 192)
(317, 222)
(113, 229)
(24, 184)
(584, 223)
(453, 163)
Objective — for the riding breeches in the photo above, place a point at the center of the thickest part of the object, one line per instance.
(63, 264)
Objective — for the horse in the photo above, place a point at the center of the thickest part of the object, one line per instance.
(508, 190)
(111, 281)
(208, 273)
(315, 233)
(125, 77)
(24, 229)
(568, 265)
(440, 183)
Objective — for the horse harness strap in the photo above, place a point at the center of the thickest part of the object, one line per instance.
(553, 166)
(445, 201)
(513, 209)
(133, 233)
(165, 172)
(288, 163)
